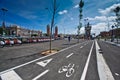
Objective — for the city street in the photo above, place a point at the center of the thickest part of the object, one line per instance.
(81, 61)
(60, 40)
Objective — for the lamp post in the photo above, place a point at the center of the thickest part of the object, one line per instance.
(3, 23)
(112, 37)
(81, 4)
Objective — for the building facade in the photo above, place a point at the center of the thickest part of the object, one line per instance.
(22, 32)
(48, 30)
(56, 32)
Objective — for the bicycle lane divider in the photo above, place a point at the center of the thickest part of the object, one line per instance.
(103, 69)
(87, 63)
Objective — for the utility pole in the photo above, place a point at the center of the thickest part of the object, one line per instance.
(81, 4)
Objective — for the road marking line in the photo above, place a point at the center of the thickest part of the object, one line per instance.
(44, 63)
(103, 69)
(11, 75)
(81, 47)
(87, 63)
(69, 55)
(38, 59)
(43, 73)
(117, 74)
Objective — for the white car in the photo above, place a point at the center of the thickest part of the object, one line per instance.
(2, 43)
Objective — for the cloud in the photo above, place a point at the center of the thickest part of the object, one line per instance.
(76, 6)
(71, 18)
(28, 15)
(108, 10)
(102, 18)
(97, 28)
(62, 12)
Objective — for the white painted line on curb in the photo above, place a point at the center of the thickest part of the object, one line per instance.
(87, 63)
(37, 59)
(11, 75)
(44, 63)
(103, 69)
(81, 47)
(69, 55)
(43, 73)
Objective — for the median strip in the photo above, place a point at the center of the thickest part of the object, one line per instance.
(103, 69)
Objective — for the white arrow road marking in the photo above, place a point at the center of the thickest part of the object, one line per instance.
(44, 63)
(11, 75)
(43, 73)
(103, 69)
(81, 47)
(69, 55)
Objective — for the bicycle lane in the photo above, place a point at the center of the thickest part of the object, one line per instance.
(47, 68)
(69, 67)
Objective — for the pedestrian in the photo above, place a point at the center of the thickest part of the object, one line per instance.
(69, 38)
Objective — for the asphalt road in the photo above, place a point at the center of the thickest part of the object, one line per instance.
(111, 54)
(76, 62)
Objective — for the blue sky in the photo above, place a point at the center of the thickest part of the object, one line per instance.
(32, 14)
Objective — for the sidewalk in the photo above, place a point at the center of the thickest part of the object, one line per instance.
(113, 43)
(25, 50)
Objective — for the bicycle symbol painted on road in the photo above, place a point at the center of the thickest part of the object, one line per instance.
(68, 69)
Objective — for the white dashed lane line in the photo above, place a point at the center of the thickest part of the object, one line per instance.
(69, 55)
(81, 47)
(42, 74)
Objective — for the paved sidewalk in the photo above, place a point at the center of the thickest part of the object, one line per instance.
(113, 43)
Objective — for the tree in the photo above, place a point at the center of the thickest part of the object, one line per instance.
(54, 12)
(117, 12)
(81, 4)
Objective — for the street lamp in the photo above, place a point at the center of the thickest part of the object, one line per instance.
(3, 23)
(112, 34)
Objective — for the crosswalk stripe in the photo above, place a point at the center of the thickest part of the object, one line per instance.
(11, 75)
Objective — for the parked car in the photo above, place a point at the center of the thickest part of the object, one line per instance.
(34, 40)
(17, 41)
(2, 43)
(9, 41)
